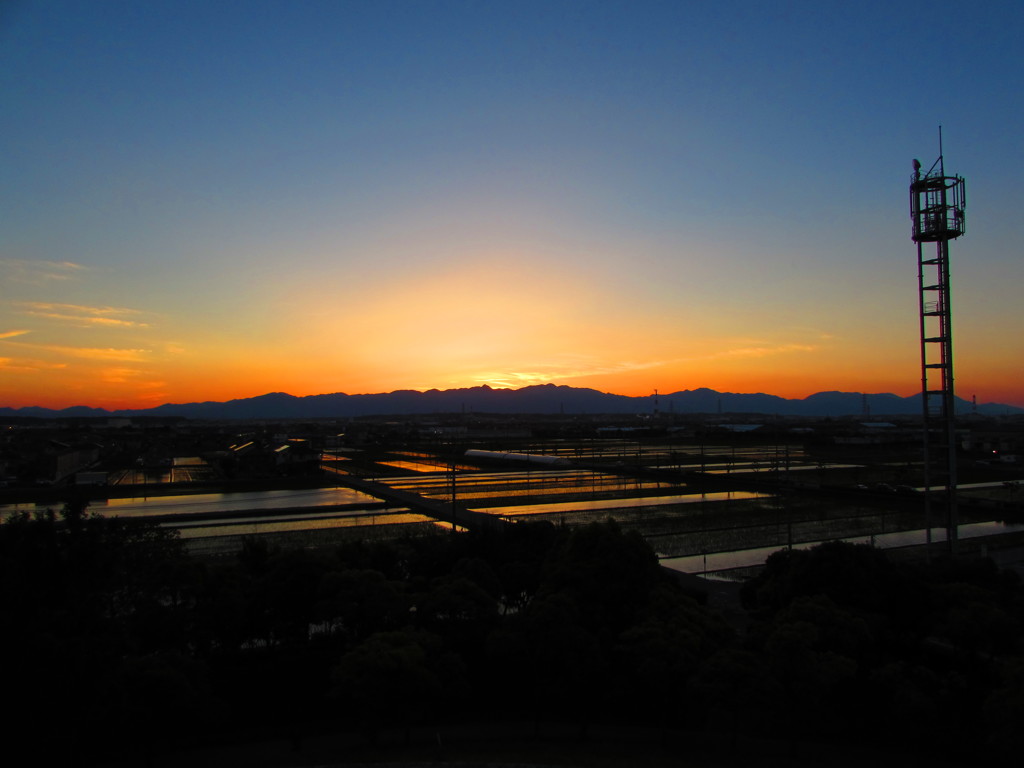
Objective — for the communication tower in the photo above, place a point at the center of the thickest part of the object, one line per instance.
(937, 211)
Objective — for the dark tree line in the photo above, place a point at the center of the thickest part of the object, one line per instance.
(928, 656)
(115, 642)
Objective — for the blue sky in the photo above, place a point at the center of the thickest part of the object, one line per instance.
(212, 200)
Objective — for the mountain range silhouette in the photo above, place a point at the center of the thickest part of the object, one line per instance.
(539, 399)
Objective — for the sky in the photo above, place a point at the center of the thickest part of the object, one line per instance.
(207, 201)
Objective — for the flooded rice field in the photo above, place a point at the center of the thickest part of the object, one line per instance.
(702, 508)
(496, 485)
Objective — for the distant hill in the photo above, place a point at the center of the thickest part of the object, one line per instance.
(541, 399)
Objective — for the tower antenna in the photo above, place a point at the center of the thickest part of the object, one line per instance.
(937, 203)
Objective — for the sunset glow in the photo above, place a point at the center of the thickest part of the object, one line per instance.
(324, 197)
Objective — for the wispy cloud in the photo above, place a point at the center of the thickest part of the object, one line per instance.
(136, 380)
(511, 380)
(121, 375)
(88, 353)
(84, 316)
(576, 369)
(22, 365)
(12, 334)
(39, 272)
(108, 353)
(582, 368)
(765, 351)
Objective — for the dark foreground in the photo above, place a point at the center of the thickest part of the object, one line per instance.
(537, 644)
(518, 745)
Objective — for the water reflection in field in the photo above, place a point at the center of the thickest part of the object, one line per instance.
(596, 505)
(327, 530)
(211, 503)
(643, 487)
(206, 503)
(748, 558)
(282, 524)
(219, 523)
(486, 485)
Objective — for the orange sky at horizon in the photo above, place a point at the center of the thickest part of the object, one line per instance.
(104, 381)
(497, 321)
(475, 317)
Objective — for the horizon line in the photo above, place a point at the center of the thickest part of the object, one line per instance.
(487, 387)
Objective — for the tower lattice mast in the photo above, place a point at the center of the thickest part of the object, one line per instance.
(937, 210)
